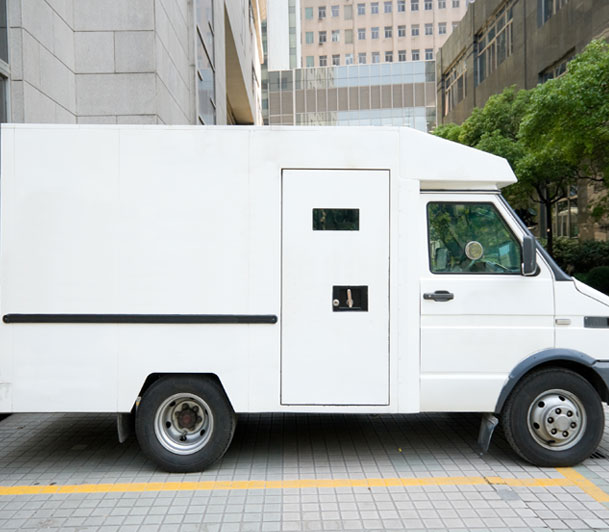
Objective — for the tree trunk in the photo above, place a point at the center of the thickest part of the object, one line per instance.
(549, 232)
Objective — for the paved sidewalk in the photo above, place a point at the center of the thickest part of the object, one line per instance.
(293, 472)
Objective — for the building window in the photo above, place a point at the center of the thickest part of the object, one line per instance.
(310, 61)
(442, 28)
(401, 6)
(495, 43)
(321, 11)
(323, 60)
(374, 8)
(388, 57)
(309, 37)
(374, 32)
(348, 12)
(454, 85)
(335, 10)
(401, 55)
(322, 37)
(376, 57)
(428, 54)
(401, 31)
(361, 34)
(416, 56)
(349, 36)
(361, 9)
(441, 4)
(557, 69)
(361, 58)
(205, 61)
(428, 29)
(308, 13)
(335, 35)
(414, 5)
(348, 59)
(455, 3)
(428, 5)
(335, 59)
(388, 6)
(388, 32)
(414, 30)
(547, 9)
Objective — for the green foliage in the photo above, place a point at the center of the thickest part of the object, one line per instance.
(551, 135)
(580, 257)
(448, 131)
(569, 117)
(598, 278)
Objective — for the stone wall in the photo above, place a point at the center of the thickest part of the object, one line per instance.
(101, 62)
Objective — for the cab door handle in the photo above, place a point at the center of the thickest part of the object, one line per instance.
(439, 295)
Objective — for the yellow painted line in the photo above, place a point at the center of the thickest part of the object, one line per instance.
(587, 486)
(214, 485)
(530, 482)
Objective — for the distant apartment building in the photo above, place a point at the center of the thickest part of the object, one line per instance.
(136, 61)
(500, 43)
(347, 32)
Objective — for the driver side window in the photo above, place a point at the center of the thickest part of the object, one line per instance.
(470, 238)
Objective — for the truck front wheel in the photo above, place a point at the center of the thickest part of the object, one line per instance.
(184, 424)
(554, 417)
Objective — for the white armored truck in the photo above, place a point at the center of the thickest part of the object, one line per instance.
(177, 275)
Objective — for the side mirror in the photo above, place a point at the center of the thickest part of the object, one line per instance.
(529, 256)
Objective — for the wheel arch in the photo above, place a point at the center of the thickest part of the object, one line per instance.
(153, 377)
(576, 361)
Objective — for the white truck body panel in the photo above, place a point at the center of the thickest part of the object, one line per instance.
(132, 220)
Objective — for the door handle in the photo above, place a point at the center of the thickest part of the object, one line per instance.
(439, 295)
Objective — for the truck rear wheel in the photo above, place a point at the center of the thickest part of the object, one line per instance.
(184, 424)
(554, 417)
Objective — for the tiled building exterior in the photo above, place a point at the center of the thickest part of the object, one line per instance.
(136, 61)
(343, 32)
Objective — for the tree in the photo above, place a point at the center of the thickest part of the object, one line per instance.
(543, 175)
(569, 118)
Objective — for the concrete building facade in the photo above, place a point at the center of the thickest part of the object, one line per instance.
(345, 32)
(141, 61)
(500, 43)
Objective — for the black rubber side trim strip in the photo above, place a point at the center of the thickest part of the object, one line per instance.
(596, 322)
(139, 318)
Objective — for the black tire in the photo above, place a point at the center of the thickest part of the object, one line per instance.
(535, 419)
(184, 424)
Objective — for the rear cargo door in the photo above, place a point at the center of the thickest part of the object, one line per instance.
(335, 287)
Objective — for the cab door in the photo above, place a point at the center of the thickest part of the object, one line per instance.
(479, 315)
(335, 287)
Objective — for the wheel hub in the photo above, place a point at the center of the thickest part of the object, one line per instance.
(187, 418)
(556, 419)
(183, 423)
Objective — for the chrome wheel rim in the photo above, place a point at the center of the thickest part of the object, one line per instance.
(183, 423)
(557, 420)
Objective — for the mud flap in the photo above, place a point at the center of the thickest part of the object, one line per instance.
(125, 423)
(488, 423)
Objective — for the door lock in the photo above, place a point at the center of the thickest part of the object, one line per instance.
(350, 298)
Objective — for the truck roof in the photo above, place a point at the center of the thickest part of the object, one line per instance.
(437, 163)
